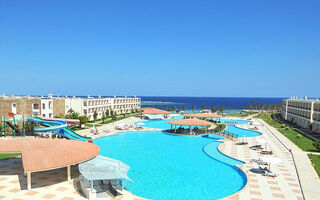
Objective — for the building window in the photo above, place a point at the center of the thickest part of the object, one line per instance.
(35, 106)
(43, 106)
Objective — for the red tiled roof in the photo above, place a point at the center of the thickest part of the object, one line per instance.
(153, 111)
(40, 154)
(190, 122)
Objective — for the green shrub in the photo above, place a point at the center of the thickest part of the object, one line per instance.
(287, 128)
(83, 119)
(299, 136)
(283, 125)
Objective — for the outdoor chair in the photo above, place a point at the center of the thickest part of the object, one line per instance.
(266, 152)
(264, 169)
(259, 162)
(242, 143)
(268, 173)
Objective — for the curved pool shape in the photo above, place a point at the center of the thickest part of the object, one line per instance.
(239, 131)
(165, 166)
(163, 124)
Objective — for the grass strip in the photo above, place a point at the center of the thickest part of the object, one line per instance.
(301, 141)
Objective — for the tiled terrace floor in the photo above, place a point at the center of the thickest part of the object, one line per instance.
(45, 185)
(285, 186)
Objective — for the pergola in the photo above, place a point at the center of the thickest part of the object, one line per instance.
(40, 154)
(190, 123)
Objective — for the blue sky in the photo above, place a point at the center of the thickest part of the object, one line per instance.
(160, 48)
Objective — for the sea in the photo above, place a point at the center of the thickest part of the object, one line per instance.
(235, 104)
(232, 104)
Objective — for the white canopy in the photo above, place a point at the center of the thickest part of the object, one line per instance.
(104, 168)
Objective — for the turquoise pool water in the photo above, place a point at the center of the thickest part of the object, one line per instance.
(239, 131)
(163, 124)
(165, 166)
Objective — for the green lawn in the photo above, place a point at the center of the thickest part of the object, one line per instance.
(315, 159)
(239, 114)
(303, 143)
(8, 155)
(91, 125)
(114, 120)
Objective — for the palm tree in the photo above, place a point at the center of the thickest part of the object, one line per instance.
(155, 106)
(193, 108)
(251, 104)
(229, 107)
(203, 106)
(256, 106)
(221, 109)
(173, 108)
(165, 107)
(183, 108)
(213, 109)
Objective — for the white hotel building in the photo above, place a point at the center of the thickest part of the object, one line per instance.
(303, 112)
(56, 106)
(90, 105)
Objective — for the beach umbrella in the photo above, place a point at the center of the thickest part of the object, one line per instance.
(270, 160)
(262, 141)
(140, 124)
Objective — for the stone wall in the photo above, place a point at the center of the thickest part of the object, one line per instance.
(59, 107)
(24, 106)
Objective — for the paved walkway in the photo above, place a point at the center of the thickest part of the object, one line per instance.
(308, 177)
(285, 186)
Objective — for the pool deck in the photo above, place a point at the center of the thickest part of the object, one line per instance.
(109, 129)
(53, 184)
(289, 182)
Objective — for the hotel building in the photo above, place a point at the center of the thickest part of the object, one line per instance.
(303, 112)
(56, 106)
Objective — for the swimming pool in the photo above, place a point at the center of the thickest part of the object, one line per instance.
(165, 166)
(239, 131)
(163, 124)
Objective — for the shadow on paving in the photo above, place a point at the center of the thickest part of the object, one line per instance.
(38, 179)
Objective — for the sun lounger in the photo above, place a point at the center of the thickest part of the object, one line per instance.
(259, 162)
(242, 143)
(264, 169)
(268, 173)
(256, 147)
(266, 152)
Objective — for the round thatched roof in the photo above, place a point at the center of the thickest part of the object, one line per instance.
(190, 122)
